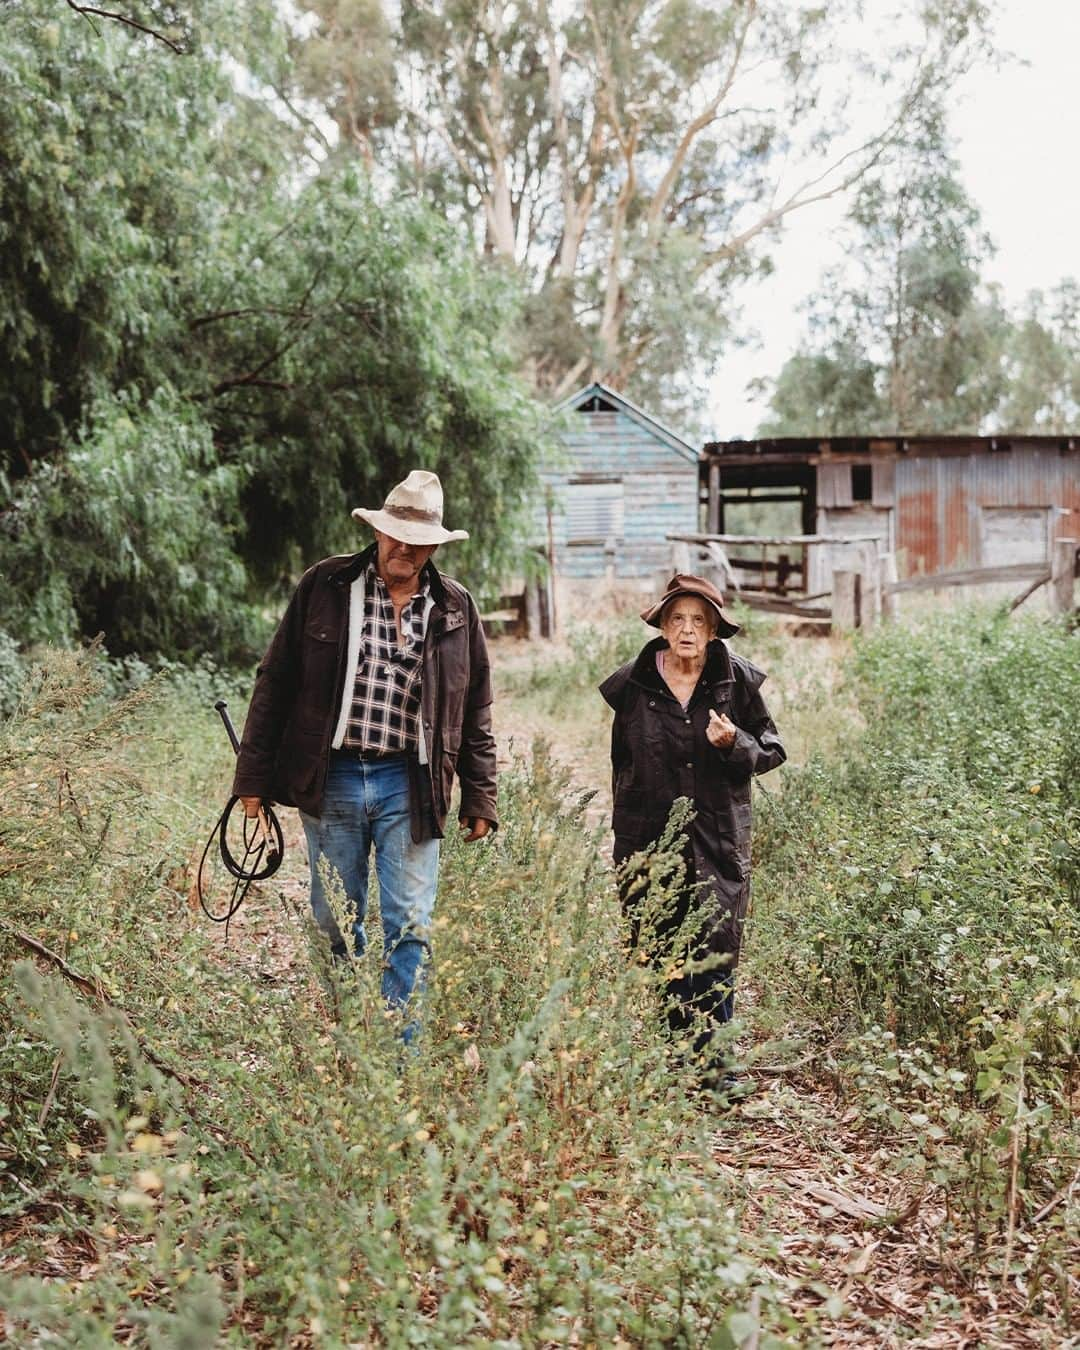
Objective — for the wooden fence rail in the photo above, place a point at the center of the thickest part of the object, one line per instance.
(971, 576)
(861, 597)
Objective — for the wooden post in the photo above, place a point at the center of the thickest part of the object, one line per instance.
(845, 600)
(890, 602)
(870, 585)
(532, 609)
(1063, 564)
(712, 514)
(552, 607)
(547, 607)
(680, 557)
(609, 560)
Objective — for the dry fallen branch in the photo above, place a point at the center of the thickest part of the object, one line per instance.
(50, 1097)
(1014, 1168)
(1056, 1200)
(94, 990)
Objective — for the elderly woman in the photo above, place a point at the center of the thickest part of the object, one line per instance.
(690, 723)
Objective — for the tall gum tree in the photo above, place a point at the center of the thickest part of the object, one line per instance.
(634, 159)
(904, 335)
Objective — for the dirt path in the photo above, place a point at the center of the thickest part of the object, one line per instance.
(861, 1246)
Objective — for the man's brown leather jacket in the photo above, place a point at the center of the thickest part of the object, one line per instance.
(285, 747)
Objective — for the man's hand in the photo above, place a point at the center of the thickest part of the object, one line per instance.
(251, 806)
(721, 730)
(477, 827)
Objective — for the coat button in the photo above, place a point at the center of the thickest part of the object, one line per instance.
(652, 703)
(686, 720)
(689, 765)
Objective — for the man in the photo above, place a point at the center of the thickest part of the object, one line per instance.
(374, 691)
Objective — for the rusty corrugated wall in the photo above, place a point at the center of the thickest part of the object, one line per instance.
(942, 501)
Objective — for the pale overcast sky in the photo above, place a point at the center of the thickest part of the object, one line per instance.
(1018, 133)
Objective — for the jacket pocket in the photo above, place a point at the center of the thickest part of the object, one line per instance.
(640, 816)
(318, 630)
(320, 648)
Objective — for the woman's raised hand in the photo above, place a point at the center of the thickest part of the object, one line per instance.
(720, 730)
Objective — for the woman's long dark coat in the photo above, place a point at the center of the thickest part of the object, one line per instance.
(659, 752)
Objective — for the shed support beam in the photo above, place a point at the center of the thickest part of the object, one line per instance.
(890, 604)
(845, 600)
(713, 522)
(1063, 566)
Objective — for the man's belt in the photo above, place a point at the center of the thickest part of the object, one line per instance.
(368, 756)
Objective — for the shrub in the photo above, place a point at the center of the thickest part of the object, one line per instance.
(130, 535)
(917, 902)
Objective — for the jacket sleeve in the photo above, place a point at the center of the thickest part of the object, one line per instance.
(476, 758)
(620, 749)
(757, 747)
(277, 680)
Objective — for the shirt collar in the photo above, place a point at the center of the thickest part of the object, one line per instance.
(380, 585)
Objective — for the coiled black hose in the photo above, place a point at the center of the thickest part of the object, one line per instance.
(264, 846)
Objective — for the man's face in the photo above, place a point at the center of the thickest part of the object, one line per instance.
(401, 564)
(688, 624)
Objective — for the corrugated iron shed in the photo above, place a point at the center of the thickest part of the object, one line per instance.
(942, 503)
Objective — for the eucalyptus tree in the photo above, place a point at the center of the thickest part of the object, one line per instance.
(1043, 363)
(903, 335)
(633, 160)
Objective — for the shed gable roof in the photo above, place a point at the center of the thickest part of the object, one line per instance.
(619, 403)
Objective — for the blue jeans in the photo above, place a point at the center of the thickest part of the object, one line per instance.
(367, 803)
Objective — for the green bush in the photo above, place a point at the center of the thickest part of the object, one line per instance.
(12, 674)
(131, 534)
(917, 902)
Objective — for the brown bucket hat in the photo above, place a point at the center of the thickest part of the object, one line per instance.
(683, 584)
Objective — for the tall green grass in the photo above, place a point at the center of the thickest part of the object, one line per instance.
(250, 1162)
(193, 1154)
(917, 904)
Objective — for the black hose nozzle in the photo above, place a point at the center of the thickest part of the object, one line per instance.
(221, 707)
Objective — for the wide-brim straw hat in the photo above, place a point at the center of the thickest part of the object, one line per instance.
(684, 584)
(412, 512)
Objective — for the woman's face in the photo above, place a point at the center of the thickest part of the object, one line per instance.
(688, 623)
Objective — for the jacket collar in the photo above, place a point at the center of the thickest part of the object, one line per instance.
(351, 568)
(717, 670)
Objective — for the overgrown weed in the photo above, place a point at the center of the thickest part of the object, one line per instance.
(258, 1164)
(255, 1162)
(917, 903)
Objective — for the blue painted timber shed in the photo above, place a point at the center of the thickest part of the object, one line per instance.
(625, 482)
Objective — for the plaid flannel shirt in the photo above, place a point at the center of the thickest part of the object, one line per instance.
(385, 712)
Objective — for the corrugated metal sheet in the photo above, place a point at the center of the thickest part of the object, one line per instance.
(941, 501)
(595, 512)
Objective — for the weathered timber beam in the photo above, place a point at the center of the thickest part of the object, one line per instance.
(777, 539)
(775, 604)
(973, 576)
